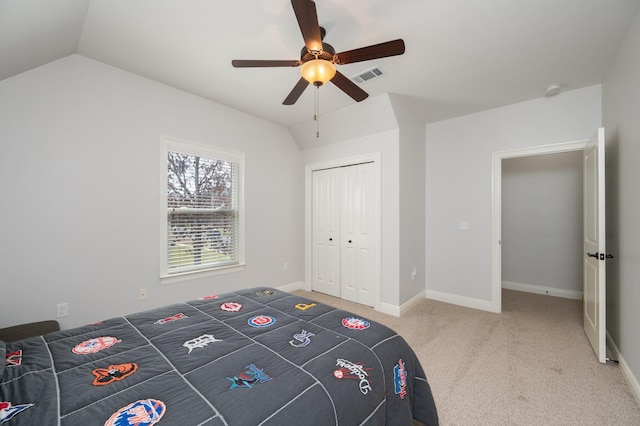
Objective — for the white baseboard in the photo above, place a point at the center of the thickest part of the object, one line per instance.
(398, 311)
(483, 305)
(409, 304)
(389, 309)
(626, 371)
(538, 289)
(292, 287)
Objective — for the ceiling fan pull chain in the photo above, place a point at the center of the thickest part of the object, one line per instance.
(316, 115)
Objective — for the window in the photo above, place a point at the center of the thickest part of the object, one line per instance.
(202, 216)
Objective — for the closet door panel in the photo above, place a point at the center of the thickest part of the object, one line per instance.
(365, 234)
(326, 232)
(349, 227)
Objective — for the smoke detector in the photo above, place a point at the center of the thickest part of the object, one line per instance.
(553, 90)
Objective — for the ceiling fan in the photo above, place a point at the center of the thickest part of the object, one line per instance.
(317, 59)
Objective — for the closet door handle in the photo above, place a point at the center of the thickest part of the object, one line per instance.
(330, 239)
(593, 255)
(349, 241)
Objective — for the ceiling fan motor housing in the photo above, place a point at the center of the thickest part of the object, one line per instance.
(327, 53)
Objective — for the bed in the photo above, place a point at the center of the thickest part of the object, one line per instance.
(250, 357)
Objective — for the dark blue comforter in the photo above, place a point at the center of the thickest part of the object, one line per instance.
(256, 356)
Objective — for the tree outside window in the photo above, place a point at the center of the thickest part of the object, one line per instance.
(202, 213)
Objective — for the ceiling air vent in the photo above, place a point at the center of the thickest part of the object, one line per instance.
(368, 75)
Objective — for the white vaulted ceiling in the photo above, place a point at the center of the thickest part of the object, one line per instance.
(462, 56)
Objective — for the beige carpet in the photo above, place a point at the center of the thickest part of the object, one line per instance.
(530, 365)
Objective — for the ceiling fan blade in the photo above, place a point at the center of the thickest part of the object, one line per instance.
(250, 63)
(375, 51)
(307, 17)
(296, 92)
(349, 87)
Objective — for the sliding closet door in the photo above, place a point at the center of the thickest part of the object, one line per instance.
(326, 231)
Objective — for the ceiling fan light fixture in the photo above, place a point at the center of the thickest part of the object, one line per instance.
(318, 71)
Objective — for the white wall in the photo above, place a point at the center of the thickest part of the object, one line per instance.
(459, 166)
(411, 200)
(385, 125)
(385, 143)
(542, 224)
(372, 116)
(80, 218)
(621, 113)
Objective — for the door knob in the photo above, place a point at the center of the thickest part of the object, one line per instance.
(349, 241)
(330, 239)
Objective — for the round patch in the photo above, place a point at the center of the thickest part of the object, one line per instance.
(338, 374)
(265, 292)
(144, 412)
(231, 306)
(261, 321)
(355, 323)
(97, 344)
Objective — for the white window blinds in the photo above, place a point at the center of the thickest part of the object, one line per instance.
(202, 215)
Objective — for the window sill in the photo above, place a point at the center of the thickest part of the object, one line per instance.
(187, 276)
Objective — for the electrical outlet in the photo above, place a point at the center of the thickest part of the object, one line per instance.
(62, 310)
(142, 294)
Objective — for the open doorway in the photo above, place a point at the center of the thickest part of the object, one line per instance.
(498, 159)
(542, 224)
(594, 235)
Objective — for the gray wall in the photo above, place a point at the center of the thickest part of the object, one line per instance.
(542, 223)
(459, 183)
(81, 168)
(621, 117)
(412, 200)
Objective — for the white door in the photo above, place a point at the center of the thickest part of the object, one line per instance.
(357, 234)
(344, 232)
(325, 237)
(349, 230)
(594, 280)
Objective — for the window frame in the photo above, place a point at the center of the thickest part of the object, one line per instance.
(169, 144)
